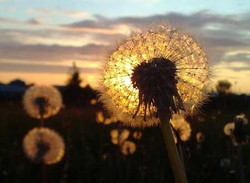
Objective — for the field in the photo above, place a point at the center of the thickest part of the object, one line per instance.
(90, 156)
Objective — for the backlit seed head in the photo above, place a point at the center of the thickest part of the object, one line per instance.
(241, 118)
(43, 145)
(42, 101)
(236, 130)
(199, 137)
(229, 128)
(157, 70)
(137, 135)
(181, 127)
(156, 82)
(128, 147)
(119, 136)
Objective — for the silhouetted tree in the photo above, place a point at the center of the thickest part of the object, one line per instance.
(223, 87)
(73, 91)
(74, 80)
(75, 95)
(17, 82)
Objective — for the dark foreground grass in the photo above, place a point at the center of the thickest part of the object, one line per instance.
(91, 157)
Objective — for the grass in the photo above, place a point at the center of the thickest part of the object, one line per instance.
(91, 157)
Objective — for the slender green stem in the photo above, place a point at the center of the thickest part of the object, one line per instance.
(177, 165)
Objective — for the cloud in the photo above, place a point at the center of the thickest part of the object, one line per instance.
(43, 11)
(51, 36)
(41, 68)
(226, 38)
(77, 14)
(219, 33)
(57, 12)
(237, 57)
(245, 68)
(8, 20)
(53, 53)
(34, 21)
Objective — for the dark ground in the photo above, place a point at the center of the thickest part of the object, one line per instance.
(91, 157)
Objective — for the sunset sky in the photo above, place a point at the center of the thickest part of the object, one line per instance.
(39, 40)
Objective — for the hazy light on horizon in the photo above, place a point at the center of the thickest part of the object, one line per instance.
(40, 40)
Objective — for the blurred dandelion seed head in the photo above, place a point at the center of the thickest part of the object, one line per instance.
(128, 147)
(241, 118)
(42, 101)
(229, 128)
(183, 62)
(100, 118)
(43, 145)
(182, 127)
(93, 101)
(137, 135)
(199, 137)
(119, 136)
(236, 130)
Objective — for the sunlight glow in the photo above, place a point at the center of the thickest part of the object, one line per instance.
(121, 97)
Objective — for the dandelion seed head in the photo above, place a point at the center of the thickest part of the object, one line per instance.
(42, 101)
(131, 92)
(156, 82)
(43, 145)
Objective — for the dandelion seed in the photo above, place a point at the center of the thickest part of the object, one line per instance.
(42, 101)
(43, 145)
(155, 70)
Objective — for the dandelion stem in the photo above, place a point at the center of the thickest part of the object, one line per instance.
(241, 166)
(180, 150)
(43, 173)
(177, 165)
(42, 121)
